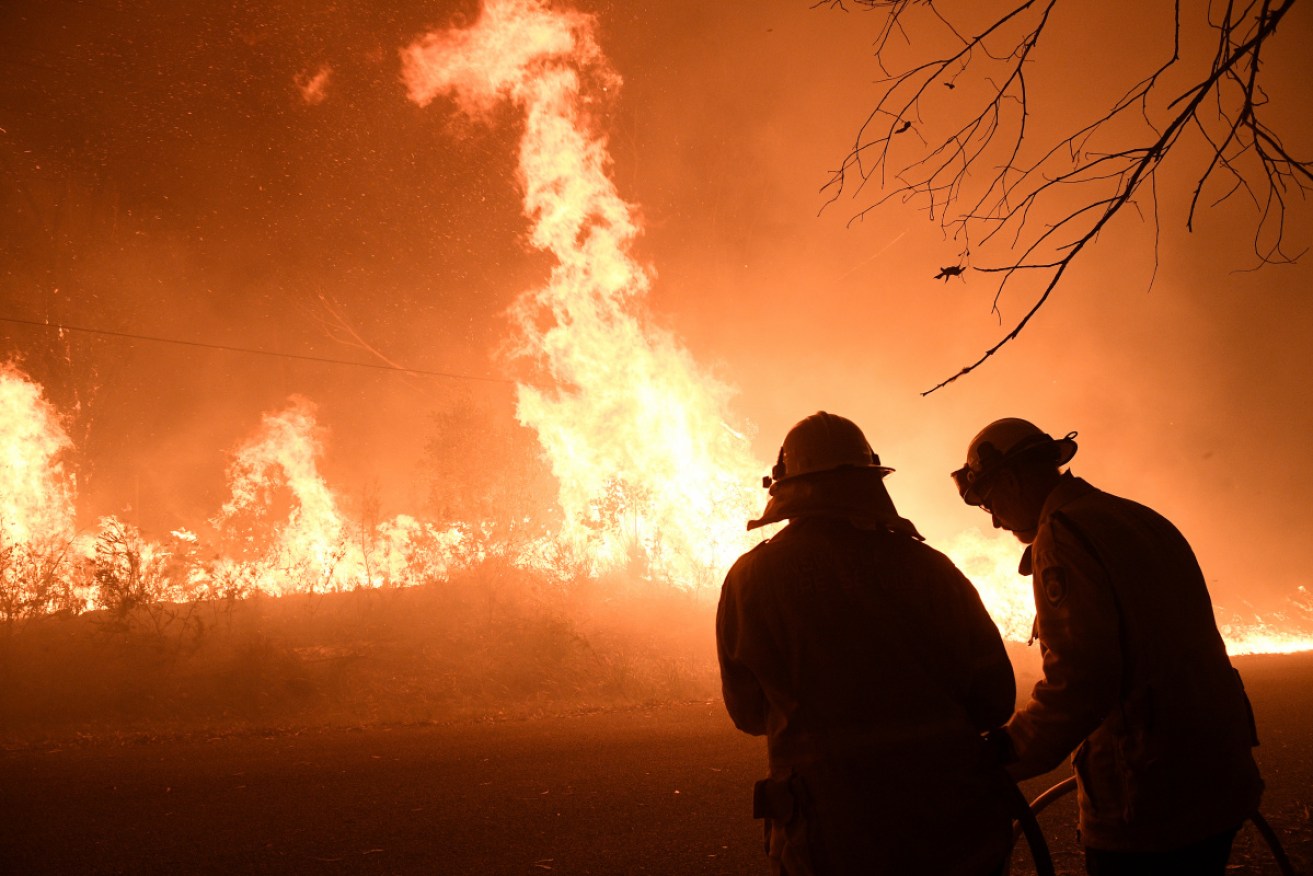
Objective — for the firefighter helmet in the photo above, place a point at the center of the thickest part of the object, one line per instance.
(823, 442)
(1003, 442)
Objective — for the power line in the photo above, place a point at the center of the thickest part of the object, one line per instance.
(230, 349)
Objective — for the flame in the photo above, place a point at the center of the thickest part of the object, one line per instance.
(1291, 630)
(37, 494)
(652, 475)
(285, 452)
(311, 545)
(637, 435)
(37, 497)
(990, 562)
(314, 548)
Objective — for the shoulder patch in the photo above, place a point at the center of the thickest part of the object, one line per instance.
(1055, 585)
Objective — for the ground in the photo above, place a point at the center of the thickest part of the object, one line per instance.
(656, 789)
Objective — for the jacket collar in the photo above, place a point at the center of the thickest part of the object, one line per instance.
(1068, 489)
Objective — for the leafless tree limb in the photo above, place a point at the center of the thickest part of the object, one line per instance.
(981, 176)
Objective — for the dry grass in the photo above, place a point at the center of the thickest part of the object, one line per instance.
(495, 642)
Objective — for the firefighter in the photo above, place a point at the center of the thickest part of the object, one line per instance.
(1136, 679)
(870, 665)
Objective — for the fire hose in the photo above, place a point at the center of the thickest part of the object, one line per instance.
(1028, 823)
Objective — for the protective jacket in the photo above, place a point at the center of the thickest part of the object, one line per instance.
(869, 663)
(1136, 678)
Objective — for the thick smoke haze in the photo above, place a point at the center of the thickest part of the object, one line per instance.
(256, 178)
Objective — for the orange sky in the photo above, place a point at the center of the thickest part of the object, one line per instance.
(166, 177)
(1190, 395)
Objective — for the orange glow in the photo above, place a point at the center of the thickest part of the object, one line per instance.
(310, 546)
(637, 435)
(37, 496)
(655, 474)
(1283, 632)
(990, 561)
(37, 493)
(285, 452)
(314, 548)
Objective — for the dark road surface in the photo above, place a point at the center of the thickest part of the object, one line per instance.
(661, 791)
(664, 790)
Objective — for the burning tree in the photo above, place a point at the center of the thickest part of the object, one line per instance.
(963, 129)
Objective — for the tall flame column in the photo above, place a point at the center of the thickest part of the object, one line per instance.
(636, 433)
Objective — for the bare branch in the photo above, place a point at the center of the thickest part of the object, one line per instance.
(988, 183)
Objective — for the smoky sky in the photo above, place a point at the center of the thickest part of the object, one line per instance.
(165, 174)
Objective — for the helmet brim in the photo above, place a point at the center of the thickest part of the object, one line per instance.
(971, 483)
(882, 469)
(854, 492)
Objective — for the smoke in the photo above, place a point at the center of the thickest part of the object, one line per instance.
(636, 434)
(1181, 375)
(174, 178)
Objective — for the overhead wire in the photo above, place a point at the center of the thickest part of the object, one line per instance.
(452, 375)
(227, 347)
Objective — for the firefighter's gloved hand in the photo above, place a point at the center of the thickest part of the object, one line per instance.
(999, 748)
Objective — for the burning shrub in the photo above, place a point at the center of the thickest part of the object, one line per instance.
(36, 579)
(36, 503)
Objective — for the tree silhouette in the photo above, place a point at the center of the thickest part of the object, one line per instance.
(957, 131)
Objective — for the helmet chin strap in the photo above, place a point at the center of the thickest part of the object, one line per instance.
(776, 472)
